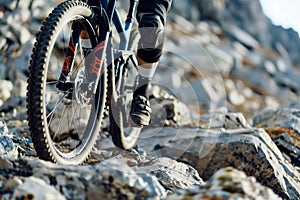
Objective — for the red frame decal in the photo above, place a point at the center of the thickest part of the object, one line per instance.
(97, 60)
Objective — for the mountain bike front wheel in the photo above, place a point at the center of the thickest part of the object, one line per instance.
(65, 121)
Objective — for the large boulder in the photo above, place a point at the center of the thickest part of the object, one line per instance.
(283, 126)
(249, 150)
(129, 175)
(110, 180)
(170, 173)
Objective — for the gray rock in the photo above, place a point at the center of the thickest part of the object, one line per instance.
(37, 189)
(5, 163)
(282, 36)
(227, 183)
(257, 77)
(236, 98)
(3, 69)
(269, 67)
(288, 148)
(279, 118)
(167, 109)
(183, 22)
(213, 9)
(9, 4)
(7, 147)
(241, 36)
(225, 119)
(12, 183)
(190, 85)
(20, 88)
(3, 128)
(19, 16)
(109, 180)
(14, 105)
(286, 120)
(6, 88)
(221, 58)
(249, 150)
(40, 9)
(3, 45)
(19, 64)
(170, 173)
(184, 8)
(285, 138)
(288, 81)
(6, 31)
(207, 93)
(227, 12)
(251, 21)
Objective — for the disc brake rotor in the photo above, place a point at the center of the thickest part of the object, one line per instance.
(82, 89)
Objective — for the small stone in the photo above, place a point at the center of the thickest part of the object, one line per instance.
(7, 147)
(236, 98)
(3, 128)
(6, 88)
(12, 183)
(284, 137)
(37, 189)
(5, 164)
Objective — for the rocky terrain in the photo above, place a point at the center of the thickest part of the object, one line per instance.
(226, 120)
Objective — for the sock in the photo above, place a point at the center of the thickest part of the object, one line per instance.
(145, 77)
(147, 70)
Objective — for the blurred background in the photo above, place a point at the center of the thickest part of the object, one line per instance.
(218, 53)
(225, 61)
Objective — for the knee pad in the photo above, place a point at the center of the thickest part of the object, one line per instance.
(152, 37)
(151, 30)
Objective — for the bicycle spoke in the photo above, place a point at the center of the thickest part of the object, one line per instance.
(59, 125)
(56, 105)
(77, 117)
(51, 82)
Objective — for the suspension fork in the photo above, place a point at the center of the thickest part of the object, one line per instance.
(69, 59)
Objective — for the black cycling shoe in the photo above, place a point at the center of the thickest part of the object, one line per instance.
(140, 111)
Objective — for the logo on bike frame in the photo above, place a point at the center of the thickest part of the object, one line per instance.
(97, 61)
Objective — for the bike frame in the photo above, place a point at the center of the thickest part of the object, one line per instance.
(104, 47)
(114, 16)
(124, 30)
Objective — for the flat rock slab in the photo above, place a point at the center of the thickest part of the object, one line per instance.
(249, 150)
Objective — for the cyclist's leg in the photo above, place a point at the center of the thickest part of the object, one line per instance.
(151, 15)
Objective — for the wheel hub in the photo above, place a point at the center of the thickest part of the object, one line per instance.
(82, 89)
